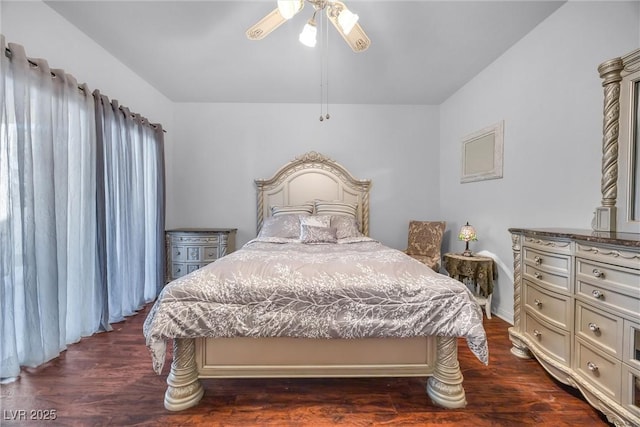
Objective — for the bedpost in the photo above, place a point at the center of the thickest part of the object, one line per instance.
(445, 386)
(184, 389)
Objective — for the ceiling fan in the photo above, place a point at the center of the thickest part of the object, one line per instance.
(345, 21)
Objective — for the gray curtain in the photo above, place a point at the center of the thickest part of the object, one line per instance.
(81, 211)
(131, 198)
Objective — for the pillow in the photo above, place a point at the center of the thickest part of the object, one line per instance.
(336, 207)
(303, 209)
(313, 234)
(316, 220)
(281, 226)
(345, 226)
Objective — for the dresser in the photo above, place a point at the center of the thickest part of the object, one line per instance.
(577, 311)
(188, 249)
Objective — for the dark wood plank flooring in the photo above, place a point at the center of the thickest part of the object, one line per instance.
(107, 380)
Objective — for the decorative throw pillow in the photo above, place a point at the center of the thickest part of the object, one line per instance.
(303, 209)
(313, 234)
(316, 220)
(282, 226)
(345, 226)
(336, 207)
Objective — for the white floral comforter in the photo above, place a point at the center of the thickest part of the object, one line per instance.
(354, 289)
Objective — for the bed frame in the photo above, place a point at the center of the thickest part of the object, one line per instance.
(308, 177)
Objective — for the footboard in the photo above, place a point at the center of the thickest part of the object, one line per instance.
(290, 357)
(305, 357)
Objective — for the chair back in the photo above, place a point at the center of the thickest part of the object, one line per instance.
(425, 241)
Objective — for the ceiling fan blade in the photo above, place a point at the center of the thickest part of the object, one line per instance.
(356, 38)
(266, 25)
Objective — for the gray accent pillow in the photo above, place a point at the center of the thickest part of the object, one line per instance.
(346, 226)
(281, 226)
(312, 234)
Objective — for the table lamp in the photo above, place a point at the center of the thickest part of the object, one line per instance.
(467, 233)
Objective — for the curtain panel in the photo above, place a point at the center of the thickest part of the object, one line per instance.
(61, 183)
(131, 198)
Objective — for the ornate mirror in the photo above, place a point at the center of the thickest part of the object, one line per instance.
(620, 146)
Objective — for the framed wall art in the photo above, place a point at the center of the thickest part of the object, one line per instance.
(482, 154)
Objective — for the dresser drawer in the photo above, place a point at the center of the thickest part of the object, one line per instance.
(550, 340)
(550, 306)
(545, 261)
(553, 245)
(626, 279)
(598, 327)
(618, 255)
(547, 279)
(631, 389)
(607, 286)
(631, 344)
(603, 371)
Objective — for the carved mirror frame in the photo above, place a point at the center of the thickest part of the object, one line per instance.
(620, 146)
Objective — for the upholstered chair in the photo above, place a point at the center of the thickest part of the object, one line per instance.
(425, 241)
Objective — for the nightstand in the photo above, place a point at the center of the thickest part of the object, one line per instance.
(477, 271)
(189, 249)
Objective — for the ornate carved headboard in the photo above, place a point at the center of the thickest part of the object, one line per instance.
(309, 177)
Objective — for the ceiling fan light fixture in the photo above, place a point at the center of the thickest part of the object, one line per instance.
(347, 20)
(308, 34)
(289, 8)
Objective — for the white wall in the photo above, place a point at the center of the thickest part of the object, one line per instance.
(222, 148)
(45, 34)
(547, 90)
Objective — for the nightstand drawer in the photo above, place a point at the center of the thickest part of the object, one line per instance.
(599, 328)
(550, 306)
(178, 253)
(602, 371)
(552, 341)
(178, 270)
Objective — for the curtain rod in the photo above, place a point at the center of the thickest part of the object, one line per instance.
(9, 54)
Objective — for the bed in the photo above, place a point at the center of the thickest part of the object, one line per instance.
(319, 304)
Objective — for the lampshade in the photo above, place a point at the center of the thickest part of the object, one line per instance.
(308, 34)
(347, 20)
(467, 233)
(288, 8)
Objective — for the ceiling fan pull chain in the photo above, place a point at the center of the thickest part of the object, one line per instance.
(326, 31)
(322, 30)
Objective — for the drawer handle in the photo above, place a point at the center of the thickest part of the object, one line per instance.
(177, 252)
(594, 328)
(597, 294)
(598, 273)
(537, 275)
(538, 303)
(537, 260)
(211, 255)
(592, 367)
(536, 333)
(178, 270)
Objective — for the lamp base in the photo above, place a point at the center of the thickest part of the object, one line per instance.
(467, 252)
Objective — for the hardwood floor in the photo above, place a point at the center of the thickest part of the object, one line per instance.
(107, 380)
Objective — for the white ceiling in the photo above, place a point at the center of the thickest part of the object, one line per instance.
(196, 51)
